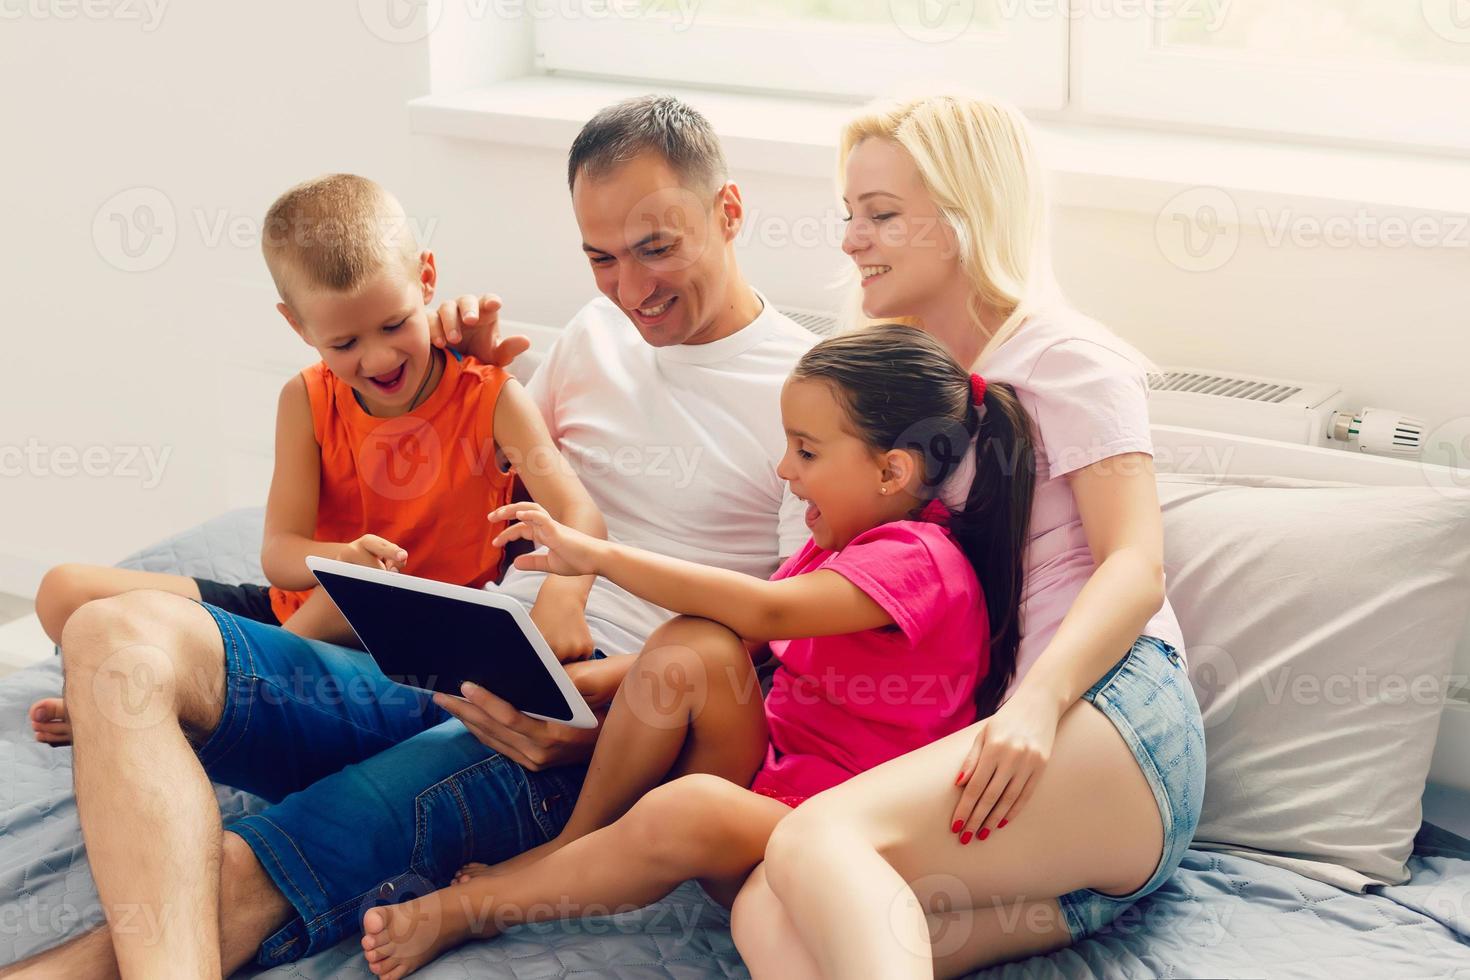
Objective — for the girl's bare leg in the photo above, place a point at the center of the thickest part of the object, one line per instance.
(64, 590)
(881, 841)
(699, 826)
(691, 704)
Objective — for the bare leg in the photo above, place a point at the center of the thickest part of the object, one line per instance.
(696, 827)
(64, 590)
(142, 669)
(771, 946)
(691, 704)
(882, 842)
(251, 909)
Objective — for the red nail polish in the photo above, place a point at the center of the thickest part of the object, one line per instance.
(984, 832)
(965, 837)
(956, 828)
(960, 778)
(1001, 824)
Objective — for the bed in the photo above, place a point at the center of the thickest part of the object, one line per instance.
(1225, 913)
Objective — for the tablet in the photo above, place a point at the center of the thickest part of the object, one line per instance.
(434, 636)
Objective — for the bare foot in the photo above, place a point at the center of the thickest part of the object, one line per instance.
(524, 859)
(398, 939)
(50, 723)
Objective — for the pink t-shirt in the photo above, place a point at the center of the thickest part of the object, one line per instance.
(842, 704)
(1086, 391)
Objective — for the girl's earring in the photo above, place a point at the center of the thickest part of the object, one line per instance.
(882, 489)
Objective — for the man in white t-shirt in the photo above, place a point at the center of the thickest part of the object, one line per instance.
(664, 397)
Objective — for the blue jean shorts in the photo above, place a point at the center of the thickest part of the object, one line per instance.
(1148, 698)
(377, 794)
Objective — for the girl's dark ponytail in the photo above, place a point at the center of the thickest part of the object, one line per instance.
(903, 390)
(992, 527)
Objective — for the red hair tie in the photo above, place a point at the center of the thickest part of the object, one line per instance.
(977, 389)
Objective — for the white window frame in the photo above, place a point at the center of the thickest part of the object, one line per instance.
(1119, 70)
(1025, 63)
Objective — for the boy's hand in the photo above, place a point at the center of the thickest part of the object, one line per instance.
(471, 325)
(375, 552)
(564, 625)
(569, 552)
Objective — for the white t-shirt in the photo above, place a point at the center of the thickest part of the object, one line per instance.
(1086, 391)
(677, 446)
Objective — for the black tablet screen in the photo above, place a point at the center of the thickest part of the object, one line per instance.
(435, 643)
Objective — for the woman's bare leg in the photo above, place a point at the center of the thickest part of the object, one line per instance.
(64, 590)
(696, 827)
(771, 946)
(882, 842)
(691, 704)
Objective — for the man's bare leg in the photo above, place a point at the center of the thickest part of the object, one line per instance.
(251, 909)
(141, 670)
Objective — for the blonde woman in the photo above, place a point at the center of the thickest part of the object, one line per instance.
(1080, 794)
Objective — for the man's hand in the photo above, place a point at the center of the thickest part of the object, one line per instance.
(563, 622)
(471, 325)
(531, 742)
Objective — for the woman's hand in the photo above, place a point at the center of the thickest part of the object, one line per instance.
(1011, 748)
(569, 552)
(471, 325)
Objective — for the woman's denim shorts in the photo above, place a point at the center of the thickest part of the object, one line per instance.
(1147, 697)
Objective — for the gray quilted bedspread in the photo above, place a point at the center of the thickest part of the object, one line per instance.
(1219, 916)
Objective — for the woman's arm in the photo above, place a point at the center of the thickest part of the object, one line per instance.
(821, 603)
(1118, 502)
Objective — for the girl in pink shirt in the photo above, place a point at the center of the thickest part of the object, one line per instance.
(898, 623)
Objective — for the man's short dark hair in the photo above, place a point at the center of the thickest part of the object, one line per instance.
(649, 123)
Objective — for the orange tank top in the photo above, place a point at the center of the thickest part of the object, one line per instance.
(424, 480)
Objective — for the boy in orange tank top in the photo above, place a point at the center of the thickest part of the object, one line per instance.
(385, 450)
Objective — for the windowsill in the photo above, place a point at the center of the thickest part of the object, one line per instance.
(1092, 166)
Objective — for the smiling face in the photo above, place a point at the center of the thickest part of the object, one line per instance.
(660, 250)
(904, 248)
(376, 338)
(849, 486)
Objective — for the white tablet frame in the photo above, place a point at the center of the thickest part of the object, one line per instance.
(582, 716)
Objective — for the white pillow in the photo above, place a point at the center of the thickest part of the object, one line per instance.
(1320, 622)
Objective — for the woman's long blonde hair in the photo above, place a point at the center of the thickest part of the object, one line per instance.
(976, 160)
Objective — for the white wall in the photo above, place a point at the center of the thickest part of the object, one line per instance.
(222, 106)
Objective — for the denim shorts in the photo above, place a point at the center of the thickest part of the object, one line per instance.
(1148, 698)
(377, 794)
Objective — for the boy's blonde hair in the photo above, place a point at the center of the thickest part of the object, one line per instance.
(335, 232)
(976, 160)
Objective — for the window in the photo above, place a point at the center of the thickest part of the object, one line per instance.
(853, 48)
(1389, 71)
(1395, 71)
